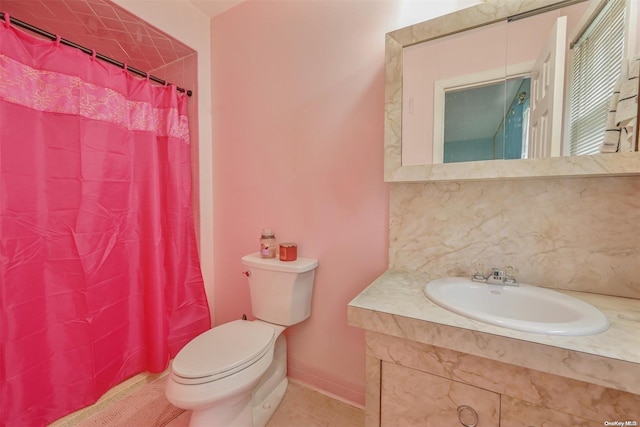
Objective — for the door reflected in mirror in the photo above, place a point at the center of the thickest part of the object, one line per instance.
(487, 121)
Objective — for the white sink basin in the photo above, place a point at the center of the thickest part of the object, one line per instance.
(524, 308)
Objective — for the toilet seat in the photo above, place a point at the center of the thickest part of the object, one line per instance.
(222, 351)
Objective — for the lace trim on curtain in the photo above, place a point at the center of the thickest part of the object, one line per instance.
(52, 92)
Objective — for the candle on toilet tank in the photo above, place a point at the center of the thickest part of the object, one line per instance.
(288, 252)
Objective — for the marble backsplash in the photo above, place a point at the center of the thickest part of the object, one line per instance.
(578, 234)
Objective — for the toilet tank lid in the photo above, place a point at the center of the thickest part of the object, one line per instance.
(300, 265)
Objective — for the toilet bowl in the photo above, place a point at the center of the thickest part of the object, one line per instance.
(218, 389)
(234, 375)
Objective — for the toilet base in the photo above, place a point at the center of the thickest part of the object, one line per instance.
(234, 412)
(250, 409)
(269, 392)
(262, 412)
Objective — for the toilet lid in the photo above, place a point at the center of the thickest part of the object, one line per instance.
(222, 351)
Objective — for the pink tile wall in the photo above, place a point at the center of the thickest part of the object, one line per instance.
(298, 102)
(103, 26)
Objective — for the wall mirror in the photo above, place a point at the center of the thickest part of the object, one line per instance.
(465, 89)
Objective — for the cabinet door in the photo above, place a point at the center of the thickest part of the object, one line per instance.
(517, 413)
(413, 398)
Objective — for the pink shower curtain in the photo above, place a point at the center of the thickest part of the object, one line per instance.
(99, 271)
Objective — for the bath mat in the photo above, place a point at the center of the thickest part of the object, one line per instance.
(146, 407)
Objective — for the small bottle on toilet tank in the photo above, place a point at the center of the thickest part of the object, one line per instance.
(268, 245)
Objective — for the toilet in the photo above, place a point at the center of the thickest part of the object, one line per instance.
(235, 375)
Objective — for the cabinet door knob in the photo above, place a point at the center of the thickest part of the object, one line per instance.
(467, 416)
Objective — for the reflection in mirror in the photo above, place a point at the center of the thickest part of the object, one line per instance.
(487, 121)
(495, 52)
(419, 83)
(597, 50)
(426, 79)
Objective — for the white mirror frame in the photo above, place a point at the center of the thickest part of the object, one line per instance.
(610, 164)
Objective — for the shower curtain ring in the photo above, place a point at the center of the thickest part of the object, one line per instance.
(7, 19)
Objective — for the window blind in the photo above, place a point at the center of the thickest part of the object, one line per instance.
(597, 56)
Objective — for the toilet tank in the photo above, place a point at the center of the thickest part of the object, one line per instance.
(280, 290)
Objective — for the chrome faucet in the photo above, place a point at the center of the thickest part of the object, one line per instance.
(497, 276)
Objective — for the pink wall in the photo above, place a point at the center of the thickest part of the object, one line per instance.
(298, 101)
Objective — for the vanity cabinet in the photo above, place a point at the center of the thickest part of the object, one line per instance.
(410, 398)
(518, 413)
(411, 383)
(414, 398)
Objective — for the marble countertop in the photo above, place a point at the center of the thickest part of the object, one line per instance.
(395, 304)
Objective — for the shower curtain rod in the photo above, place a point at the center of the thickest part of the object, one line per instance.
(88, 51)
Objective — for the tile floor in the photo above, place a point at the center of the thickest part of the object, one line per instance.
(147, 407)
(303, 407)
